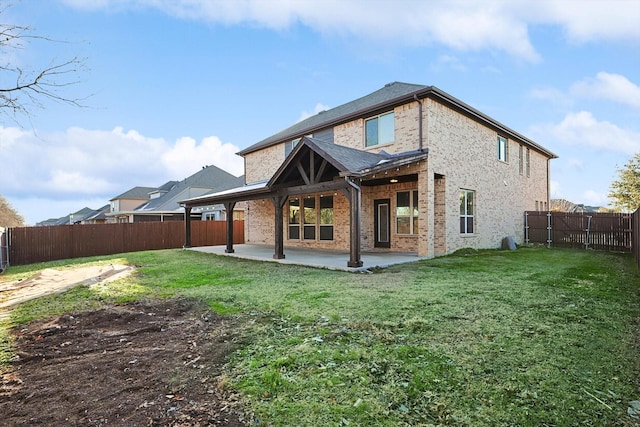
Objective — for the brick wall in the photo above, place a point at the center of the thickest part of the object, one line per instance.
(465, 152)
(261, 165)
(462, 155)
(259, 224)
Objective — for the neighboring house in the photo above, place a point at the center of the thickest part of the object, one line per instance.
(78, 217)
(406, 168)
(166, 207)
(99, 216)
(562, 205)
(162, 204)
(122, 206)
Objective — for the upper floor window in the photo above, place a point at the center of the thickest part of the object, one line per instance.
(528, 162)
(520, 159)
(379, 130)
(503, 149)
(289, 146)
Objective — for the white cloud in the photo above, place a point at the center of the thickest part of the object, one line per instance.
(186, 156)
(589, 20)
(575, 164)
(552, 95)
(586, 131)
(614, 87)
(459, 24)
(317, 109)
(594, 198)
(450, 62)
(81, 164)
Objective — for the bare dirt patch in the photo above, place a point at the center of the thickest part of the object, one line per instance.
(154, 363)
(50, 281)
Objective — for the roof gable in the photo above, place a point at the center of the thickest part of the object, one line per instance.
(314, 161)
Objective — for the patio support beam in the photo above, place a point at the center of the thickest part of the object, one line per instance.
(354, 195)
(228, 206)
(278, 203)
(303, 174)
(187, 227)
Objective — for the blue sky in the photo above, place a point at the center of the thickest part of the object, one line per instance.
(175, 85)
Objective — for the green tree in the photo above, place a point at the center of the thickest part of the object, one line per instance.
(625, 191)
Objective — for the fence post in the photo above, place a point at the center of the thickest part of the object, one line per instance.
(2, 240)
(549, 229)
(526, 227)
(586, 243)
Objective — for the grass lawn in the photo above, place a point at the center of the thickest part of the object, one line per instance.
(533, 337)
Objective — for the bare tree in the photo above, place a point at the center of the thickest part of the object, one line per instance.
(561, 205)
(8, 216)
(22, 89)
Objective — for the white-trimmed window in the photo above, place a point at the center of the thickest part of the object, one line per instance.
(503, 149)
(307, 222)
(379, 130)
(528, 162)
(407, 212)
(467, 211)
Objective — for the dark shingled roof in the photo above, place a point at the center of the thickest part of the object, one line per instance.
(347, 159)
(136, 193)
(209, 177)
(391, 95)
(343, 113)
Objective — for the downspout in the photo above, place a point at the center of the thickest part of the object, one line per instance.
(419, 122)
(548, 185)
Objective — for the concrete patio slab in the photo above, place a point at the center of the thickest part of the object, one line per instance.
(318, 258)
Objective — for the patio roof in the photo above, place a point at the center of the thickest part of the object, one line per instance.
(314, 165)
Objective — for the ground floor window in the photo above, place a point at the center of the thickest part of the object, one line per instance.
(407, 212)
(311, 217)
(467, 210)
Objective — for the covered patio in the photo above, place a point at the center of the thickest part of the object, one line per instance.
(318, 258)
(314, 166)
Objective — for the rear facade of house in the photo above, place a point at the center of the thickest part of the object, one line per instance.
(470, 188)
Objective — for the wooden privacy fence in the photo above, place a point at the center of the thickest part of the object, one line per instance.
(27, 245)
(600, 231)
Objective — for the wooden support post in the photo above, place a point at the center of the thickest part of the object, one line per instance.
(355, 259)
(228, 206)
(278, 203)
(187, 227)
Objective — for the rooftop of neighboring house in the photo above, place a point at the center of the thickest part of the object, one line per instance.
(209, 179)
(136, 193)
(391, 95)
(75, 217)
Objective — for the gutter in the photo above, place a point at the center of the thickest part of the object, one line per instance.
(415, 97)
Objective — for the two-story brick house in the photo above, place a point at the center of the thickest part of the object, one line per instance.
(406, 168)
